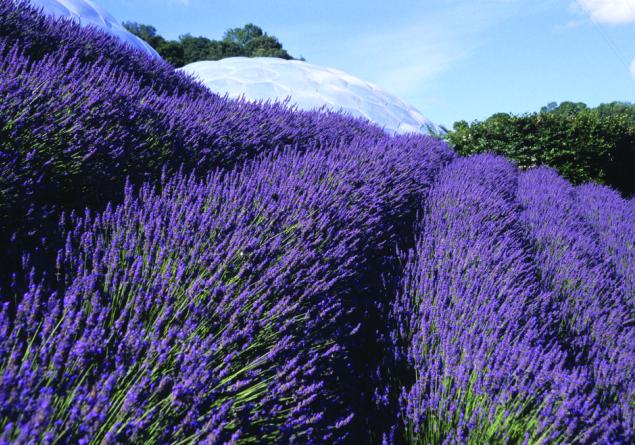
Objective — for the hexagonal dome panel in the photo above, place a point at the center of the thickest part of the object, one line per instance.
(88, 13)
(309, 87)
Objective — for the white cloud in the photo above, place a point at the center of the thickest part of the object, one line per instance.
(404, 58)
(609, 11)
(571, 24)
(633, 69)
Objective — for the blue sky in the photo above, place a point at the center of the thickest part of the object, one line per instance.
(452, 59)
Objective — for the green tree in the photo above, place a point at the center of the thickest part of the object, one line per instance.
(242, 36)
(565, 108)
(617, 108)
(254, 42)
(266, 46)
(172, 52)
(145, 32)
(248, 41)
(220, 50)
(195, 48)
(582, 143)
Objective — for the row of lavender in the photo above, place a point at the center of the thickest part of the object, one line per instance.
(264, 300)
(79, 113)
(516, 313)
(229, 309)
(218, 310)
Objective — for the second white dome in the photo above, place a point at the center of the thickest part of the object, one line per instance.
(309, 87)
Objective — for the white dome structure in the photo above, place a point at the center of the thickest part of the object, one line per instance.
(88, 13)
(309, 87)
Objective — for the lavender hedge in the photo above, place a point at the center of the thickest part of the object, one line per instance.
(22, 25)
(82, 113)
(474, 320)
(214, 310)
(614, 221)
(593, 304)
(178, 267)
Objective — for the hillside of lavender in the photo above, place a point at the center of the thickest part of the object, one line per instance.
(178, 267)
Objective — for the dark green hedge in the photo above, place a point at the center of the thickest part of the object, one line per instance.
(583, 144)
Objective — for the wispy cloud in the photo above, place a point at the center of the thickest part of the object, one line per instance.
(632, 69)
(407, 56)
(611, 12)
(169, 3)
(571, 24)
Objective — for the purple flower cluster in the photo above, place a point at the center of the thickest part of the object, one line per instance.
(590, 287)
(614, 221)
(210, 310)
(511, 333)
(22, 25)
(84, 113)
(188, 269)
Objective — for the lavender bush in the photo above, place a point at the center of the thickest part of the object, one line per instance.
(182, 268)
(593, 304)
(473, 318)
(214, 310)
(80, 113)
(22, 25)
(614, 221)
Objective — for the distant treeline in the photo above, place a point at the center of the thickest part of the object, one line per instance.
(584, 144)
(248, 41)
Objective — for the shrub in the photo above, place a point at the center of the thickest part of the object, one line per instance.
(77, 119)
(582, 145)
(591, 298)
(213, 310)
(473, 317)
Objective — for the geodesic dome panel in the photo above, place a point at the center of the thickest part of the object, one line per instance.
(309, 87)
(88, 13)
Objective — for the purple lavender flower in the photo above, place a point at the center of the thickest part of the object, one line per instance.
(477, 324)
(185, 268)
(216, 305)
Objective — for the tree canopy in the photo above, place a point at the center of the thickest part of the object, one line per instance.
(248, 41)
(584, 144)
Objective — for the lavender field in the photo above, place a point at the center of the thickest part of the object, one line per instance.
(178, 267)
